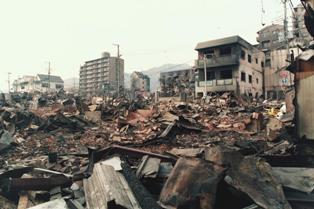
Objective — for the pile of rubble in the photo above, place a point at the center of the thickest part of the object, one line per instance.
(58, 151)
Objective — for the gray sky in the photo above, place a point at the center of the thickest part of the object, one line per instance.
(151, 32)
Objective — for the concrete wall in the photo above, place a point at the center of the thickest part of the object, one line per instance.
(113, 74)
(253, 69)
(277, 79)
(305, 102)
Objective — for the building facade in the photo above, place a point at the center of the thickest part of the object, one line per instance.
(277, 78)
(101, 76)
(172, 83)
(277, 57)
(232, 65)
(39, 83)
(298, 25)
(140, 84)
(271, 37)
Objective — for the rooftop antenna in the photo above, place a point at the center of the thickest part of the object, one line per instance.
(263, 13)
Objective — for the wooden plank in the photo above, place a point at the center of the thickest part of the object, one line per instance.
(23, 200)
(108, 186)
(148, 167)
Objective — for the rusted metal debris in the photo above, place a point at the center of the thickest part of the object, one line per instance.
(192, 182)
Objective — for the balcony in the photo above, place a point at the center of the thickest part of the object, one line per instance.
(218, 82)
(218, 61)
(219, 85)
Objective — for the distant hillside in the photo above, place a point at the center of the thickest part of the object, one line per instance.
(154, 73)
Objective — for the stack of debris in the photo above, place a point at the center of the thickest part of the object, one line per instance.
(59, 151)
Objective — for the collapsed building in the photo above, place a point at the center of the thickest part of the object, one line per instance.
(59, 152)
(231, 65)
(227, 152)
(172, 83)
(140, 84)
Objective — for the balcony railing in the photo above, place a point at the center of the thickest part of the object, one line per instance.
(218, 61)
(218, 82)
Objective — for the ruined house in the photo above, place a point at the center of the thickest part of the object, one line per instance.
(140, 84)
(232, 65)
(173, 83)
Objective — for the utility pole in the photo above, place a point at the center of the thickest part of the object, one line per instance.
(9, 84)
(205, 75)
(118, 67)
(74, 85)
(49, 76)
(285, 24)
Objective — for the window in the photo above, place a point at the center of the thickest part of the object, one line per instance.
(59, 86)
(265, 44)
(210, 75)
(262, 64)
(257, 80)
(256, 61)
(209, 53)
(226, 74)
(268, 63)
(225, 51)
(249, 57)
(243, 77)
(250, 78)
(243, 54)
(44, 85)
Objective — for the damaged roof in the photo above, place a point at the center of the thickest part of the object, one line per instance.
(223, 41)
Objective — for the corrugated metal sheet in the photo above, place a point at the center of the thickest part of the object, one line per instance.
(305, 98)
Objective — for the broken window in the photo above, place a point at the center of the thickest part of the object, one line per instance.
(226, 74)
(249, 58)
(265, 44)
(250, 78)
(243, 54)
(243, 76)
(209, 53)
(44, 85)
(225, 51)
(210, 75)
(268, 63)
(59, 86)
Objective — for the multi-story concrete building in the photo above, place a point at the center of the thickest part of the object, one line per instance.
(102, 76)
(172, 83)
(271, 37)
(140, 84)
(272, 42)
(232, 65)
(38, 83)
(299, 29)
(277, 78)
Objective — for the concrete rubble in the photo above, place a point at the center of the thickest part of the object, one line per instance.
(228, 152)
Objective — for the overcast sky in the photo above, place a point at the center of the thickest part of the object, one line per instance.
(151, 32)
